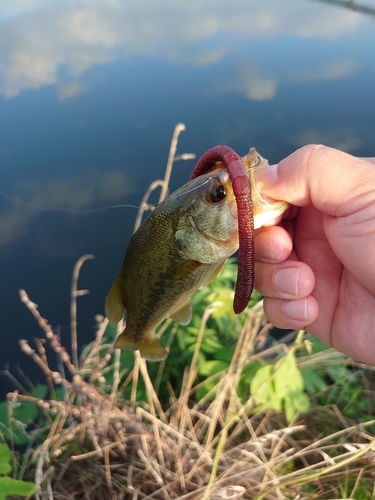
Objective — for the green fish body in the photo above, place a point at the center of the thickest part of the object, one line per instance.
(180, 247)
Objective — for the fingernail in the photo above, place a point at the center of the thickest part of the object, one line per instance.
(286, 280)
(296, 309)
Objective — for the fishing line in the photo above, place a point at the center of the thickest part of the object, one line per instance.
(171, 196)
(82, 211)
(68, 210)
(101, 209)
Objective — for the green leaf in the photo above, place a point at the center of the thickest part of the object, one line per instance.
(313, 382)
(9, 486)
(317, 345)
(263, 388)
(17, 432)
(225, 354)
(211, 345)
(27, 412)
(281, 386)
(259, 385)
(60, 393)
(110, 332)
(338, 373)
(40, 391)
(204, 389)
(3, 415)
(5, 460)
(24, 413)
(295, 401)
(211, 367)
(225, 297)
(287, 375)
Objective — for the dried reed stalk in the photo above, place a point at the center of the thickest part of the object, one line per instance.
(73, 305)
(164, 184)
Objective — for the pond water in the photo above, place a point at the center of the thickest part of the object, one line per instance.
(90, 92)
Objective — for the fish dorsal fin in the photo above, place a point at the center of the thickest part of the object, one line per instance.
(114, 307)
(183, 315)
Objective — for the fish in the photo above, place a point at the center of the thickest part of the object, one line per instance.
(249, 202)
(180, 247)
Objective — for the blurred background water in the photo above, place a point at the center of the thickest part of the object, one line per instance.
(90, 92)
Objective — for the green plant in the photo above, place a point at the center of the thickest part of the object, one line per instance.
(280, 387)
(8, 485)
(17, 415)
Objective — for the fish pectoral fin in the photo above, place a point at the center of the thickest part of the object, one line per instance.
(152, 350)
(184, 314)
(186, 269)
(215, 273)
(114, 307)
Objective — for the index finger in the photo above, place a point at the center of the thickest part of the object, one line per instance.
(334, 182)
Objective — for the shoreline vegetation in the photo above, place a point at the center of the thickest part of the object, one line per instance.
(230, 413)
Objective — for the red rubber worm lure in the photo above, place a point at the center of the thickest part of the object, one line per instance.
(242, 192)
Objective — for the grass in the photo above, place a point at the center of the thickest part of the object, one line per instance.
(109, 429)
(95, 444)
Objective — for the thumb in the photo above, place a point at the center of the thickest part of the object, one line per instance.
(334, 182)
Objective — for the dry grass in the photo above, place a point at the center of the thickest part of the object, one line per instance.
(99, 446)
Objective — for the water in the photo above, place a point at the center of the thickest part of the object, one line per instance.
(90, 93)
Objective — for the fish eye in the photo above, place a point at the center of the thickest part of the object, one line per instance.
(216, 193)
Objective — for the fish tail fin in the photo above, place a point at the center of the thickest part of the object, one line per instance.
(114, 307)
(152, 350)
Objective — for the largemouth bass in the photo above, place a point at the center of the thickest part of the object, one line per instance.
(180, 247)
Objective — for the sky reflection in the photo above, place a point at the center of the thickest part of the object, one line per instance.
(44, 43)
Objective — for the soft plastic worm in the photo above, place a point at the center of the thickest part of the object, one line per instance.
(242, 192)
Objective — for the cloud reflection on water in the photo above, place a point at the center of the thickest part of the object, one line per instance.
(41, 43)
(79, 192)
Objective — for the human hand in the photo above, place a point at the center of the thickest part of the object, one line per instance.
(316, 269)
